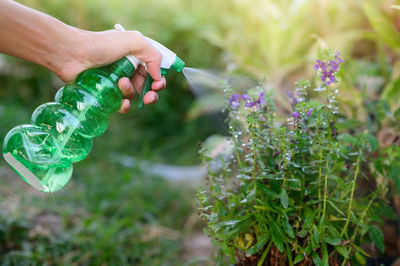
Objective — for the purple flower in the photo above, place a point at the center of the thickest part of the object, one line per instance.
(234, 100)
(329, 69)
(309, 112)
(245, 97)
(259, 102)
(296, 115)
(250, 104)
(292, 97)
(262, 117)
(261, 99)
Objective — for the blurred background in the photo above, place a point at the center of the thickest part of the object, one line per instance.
(132, 200)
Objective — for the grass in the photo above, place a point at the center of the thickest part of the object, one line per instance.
(105, 215)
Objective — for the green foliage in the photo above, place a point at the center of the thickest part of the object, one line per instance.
(133, 219)
(386, 33)
(290, 186)
(266, 37)
(383, 26)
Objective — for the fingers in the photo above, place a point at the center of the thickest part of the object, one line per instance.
(125, 106)
(150, 97)
(126, 88)
(138, 78)
(159, 85)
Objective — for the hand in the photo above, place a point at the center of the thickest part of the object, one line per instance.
(102, 48)
(67, 51)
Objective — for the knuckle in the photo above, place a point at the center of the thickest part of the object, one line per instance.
(137, 33)
(158, 57)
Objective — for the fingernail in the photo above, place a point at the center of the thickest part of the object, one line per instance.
(127, 86)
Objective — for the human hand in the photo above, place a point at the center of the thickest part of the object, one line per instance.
(101, 48)
(67, 51)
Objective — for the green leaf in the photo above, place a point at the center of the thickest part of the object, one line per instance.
(316, 235)
(258, 246)
(360, 258)
(284, 198)
(316, 259)
(342, 251)
(383, 27)
(325, 256)
(376, 236)
(265, 208)
(359, 249)
(332, 230)
(298, 258)
(268, 192)
(332, 241)
(372, 141)
(309, 218)
(347, 138)
(386, 211)
(335, 207)
(288, 228)
(277, 236)
(315, 238)
(303, 233)
(394, 174)
(289, 254)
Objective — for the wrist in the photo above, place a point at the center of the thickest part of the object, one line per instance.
(71, 55)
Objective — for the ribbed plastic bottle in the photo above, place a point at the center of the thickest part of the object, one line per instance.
(61, 132)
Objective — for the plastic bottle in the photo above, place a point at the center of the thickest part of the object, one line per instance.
(61, 132)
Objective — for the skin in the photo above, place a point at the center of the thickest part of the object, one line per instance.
(67, 51)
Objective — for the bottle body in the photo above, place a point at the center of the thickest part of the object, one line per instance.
(61, 132)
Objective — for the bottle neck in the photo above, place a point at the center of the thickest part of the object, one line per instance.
(123, 68)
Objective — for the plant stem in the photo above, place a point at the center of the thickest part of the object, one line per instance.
(237, 154)
(325, 189)
(353, 187)
(264, 255)
(363, 216)
(320, 173)
(284, 156)
(254, 162)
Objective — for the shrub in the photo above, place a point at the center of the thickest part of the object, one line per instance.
(290, 192)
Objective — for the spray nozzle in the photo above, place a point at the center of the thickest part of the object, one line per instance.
(169, 60)
(178, 65)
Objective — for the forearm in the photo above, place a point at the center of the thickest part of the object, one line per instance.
(37, 37)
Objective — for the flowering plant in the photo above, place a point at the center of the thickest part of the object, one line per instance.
(289, 192)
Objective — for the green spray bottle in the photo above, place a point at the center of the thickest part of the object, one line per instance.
(61, 132)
